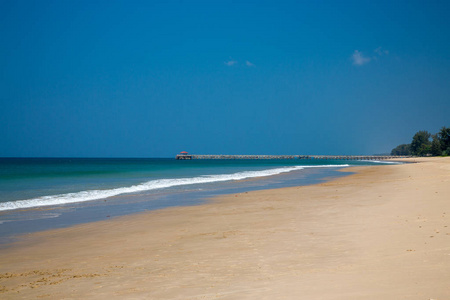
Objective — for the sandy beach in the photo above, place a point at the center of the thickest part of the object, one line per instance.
(380, 233)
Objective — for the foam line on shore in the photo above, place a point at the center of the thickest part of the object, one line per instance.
(90, 195)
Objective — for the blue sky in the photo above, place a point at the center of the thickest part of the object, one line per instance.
(153, 78)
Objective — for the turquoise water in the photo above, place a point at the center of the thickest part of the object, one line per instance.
(35, 182)
(65, 191)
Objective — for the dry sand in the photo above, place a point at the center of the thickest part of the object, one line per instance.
(382, 233)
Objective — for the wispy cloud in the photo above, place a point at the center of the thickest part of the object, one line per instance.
(359, 59)
(249, 64)
(230, 62)
(380, 51)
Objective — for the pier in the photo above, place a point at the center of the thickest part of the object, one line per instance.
(186, 156)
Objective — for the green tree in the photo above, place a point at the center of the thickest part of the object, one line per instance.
(444, 140)
(421, 144)
(403, 149)
(436, 148)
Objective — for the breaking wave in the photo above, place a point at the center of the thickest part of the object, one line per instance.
(146, 186)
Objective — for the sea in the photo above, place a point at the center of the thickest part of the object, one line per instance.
(47, 193)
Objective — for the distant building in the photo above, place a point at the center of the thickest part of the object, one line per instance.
(184, 155)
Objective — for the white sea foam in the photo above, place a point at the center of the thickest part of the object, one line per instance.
(146, 186)
(384, 162)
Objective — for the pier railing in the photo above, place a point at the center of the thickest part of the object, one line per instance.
(321, 157)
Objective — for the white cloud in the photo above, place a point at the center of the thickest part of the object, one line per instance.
(249, 64)
(230, 62)
(380, 51)
(359, 59)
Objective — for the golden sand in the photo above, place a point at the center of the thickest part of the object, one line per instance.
(382, 233)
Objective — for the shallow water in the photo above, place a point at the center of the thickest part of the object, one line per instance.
(128, 186)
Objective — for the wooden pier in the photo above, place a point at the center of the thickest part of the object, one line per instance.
(300, 157)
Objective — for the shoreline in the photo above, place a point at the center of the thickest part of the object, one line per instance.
(381, 233)
(25, 221)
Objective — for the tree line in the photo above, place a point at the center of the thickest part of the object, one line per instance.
(426, 144)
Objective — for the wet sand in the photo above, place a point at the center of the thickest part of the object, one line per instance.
(382, 233)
